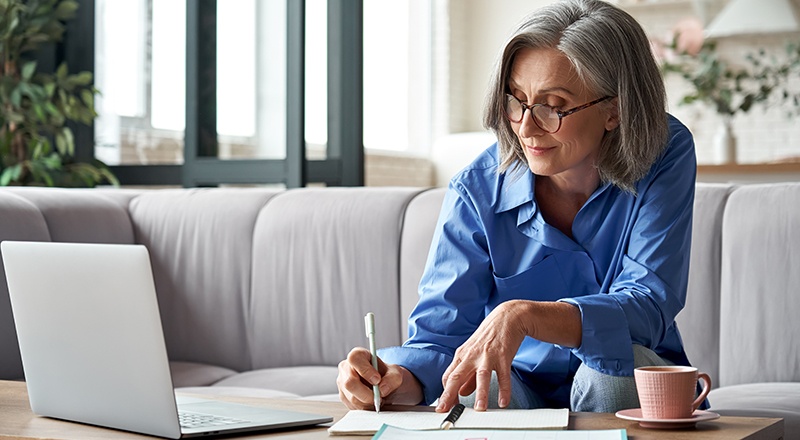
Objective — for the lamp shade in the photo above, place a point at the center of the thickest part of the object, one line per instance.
(748, 17)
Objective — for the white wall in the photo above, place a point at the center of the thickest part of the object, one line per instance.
(479, 29)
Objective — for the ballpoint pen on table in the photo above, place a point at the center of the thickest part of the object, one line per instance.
(369, 322)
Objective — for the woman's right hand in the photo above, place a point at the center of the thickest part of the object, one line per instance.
(356, 377)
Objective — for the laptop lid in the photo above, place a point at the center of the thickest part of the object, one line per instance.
(91, 340)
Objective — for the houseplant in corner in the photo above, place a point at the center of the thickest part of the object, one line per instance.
(729, 89)
(36, 145)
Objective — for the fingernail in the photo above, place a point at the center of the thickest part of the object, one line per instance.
(480, 404)
(375, 380)
(503, 402)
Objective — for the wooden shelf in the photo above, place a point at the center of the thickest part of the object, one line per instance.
(750, 168)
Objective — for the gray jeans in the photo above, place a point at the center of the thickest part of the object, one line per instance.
(592, 391)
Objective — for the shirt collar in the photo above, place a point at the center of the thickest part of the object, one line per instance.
(515, 189)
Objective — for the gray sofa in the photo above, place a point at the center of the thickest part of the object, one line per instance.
(262, 292)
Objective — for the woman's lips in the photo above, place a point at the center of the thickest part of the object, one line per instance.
(539, 151)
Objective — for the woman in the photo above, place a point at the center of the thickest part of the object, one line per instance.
(561, 255)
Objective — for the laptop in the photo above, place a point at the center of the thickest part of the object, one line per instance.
(93, 349)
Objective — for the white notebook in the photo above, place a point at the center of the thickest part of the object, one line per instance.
(359, 422)
(392, 433)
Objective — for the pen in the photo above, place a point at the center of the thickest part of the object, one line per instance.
(369, 322)
(451, 418)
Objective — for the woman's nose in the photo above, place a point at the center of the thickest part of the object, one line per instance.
(527, 126)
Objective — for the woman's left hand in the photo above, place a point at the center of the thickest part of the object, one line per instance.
(491, 348)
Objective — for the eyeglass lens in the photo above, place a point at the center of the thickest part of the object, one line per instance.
(544, 116)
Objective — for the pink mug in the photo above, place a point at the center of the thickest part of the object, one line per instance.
(668, 392)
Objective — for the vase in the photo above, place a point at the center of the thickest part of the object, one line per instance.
(725, 143)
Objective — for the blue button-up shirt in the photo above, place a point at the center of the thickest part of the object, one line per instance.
(625, 267)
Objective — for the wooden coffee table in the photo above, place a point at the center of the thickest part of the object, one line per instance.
(18, 422)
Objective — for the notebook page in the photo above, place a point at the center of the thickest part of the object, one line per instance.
(360, 422)
(392, 433)
(515, 419)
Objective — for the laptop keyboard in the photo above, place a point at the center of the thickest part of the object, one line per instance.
(200, 420)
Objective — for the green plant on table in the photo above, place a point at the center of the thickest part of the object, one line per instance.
(36, 145)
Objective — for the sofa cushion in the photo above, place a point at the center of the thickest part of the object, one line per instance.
(418, 228)
(19, 220)
(322, 259)
(776, 399)
(300, 380)
(200, 243)
(83, 215)
(759, 285)
(698, 322)
(192, 374)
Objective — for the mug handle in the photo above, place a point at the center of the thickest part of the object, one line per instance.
(706, 388)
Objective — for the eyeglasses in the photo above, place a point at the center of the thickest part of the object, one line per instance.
(547, 118)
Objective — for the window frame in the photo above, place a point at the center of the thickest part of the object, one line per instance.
(344, 163)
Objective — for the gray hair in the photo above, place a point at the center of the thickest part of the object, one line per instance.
(612, 57)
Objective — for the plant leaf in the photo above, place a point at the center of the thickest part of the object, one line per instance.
(82, 78)
(51, 108)
(39, 112)
(16, 97)
(28, 70)
(88, 98)
(61, 72)
(38, 148)
(61, 143)
(50, 88)
(66, 10)
(10, 174)
(70, 139)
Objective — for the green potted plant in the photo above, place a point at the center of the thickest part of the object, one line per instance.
(731, 90)
(727, 88)
(36, 145)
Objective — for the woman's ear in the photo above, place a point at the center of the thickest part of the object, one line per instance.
(612, 115)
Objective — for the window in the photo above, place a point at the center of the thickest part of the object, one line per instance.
(397, 75)
(141, 72)
(143, 80)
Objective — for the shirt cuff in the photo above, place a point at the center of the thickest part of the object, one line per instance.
(425, 364)
(606, 344)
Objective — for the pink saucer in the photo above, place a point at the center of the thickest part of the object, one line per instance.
(635, 414)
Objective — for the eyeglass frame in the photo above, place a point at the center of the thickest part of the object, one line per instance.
(561, 114)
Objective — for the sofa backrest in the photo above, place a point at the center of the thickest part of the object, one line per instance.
(55, 214)
(760, 275)
(242, 282)
(200, 243)
(19, 220)
(698, 322)
(83, 215)
(316, 260)
(319, 270)
(419, 224)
